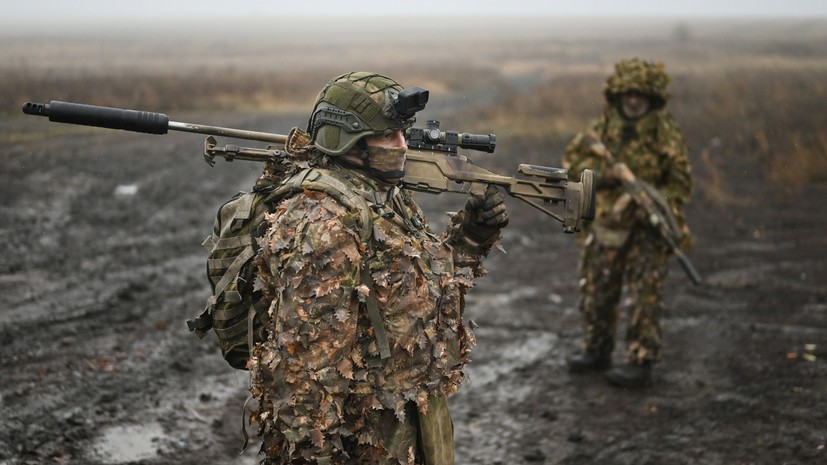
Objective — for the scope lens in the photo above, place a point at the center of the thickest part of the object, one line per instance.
(432, 135)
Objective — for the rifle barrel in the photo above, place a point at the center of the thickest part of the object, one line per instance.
(134, 120)
(228, 132)
(104, 117)
(687, 266)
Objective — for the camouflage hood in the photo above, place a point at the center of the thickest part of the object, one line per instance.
(646, 77)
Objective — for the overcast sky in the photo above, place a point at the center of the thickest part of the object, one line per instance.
(22, 12)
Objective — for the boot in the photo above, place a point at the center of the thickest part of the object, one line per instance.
(586, 361)
(631, 375)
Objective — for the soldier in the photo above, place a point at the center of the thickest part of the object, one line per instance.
(365, 336)
(619, 248)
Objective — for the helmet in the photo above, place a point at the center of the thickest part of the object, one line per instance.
(360, 104)
(645, 77)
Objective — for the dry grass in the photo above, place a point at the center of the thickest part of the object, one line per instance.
(774, 117)
(206, 89)
(214, 89)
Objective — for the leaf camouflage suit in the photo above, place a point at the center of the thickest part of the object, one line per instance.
(619, 249)
(325, 393)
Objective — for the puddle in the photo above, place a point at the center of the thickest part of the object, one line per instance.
(525, 349)
(499, 299)
(129, 443)
(126, 190)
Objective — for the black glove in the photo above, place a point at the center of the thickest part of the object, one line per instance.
(484, 216)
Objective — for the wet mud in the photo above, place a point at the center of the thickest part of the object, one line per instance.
(102, 264)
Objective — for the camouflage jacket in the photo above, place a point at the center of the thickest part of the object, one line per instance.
(318, 377)
(652, 147)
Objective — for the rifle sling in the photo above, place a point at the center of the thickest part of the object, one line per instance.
(375, 317)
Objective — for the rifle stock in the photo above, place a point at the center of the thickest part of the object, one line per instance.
(431, 167)
(433, 172)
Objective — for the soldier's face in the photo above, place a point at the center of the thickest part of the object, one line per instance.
(634, 104)
(392, 140)
(387, 151)
(387, 155)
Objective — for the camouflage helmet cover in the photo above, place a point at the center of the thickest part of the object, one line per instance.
(646, 77)
(353, 106)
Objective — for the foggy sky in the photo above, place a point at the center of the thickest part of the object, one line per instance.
(51, 11)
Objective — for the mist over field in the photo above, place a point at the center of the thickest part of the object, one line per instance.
(261, 43)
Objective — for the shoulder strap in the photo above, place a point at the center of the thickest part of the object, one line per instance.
(344, 192)
(327, 181)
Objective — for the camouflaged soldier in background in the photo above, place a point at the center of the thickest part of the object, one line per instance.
(618, 247)
(334, 385)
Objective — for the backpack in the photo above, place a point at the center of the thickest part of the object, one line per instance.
(235, 311)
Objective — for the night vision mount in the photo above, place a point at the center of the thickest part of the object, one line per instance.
(409, 101)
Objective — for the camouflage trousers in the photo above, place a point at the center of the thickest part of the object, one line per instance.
(639, 265)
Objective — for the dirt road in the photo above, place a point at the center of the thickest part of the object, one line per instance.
(101, 265)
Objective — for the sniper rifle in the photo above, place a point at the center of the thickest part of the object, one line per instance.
(433, 164)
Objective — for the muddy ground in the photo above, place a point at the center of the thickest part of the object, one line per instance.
(101, 264)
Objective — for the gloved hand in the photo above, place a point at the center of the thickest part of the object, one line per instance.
(484, 216)
(615, 174)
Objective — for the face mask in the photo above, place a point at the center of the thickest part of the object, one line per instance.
(388, 164)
